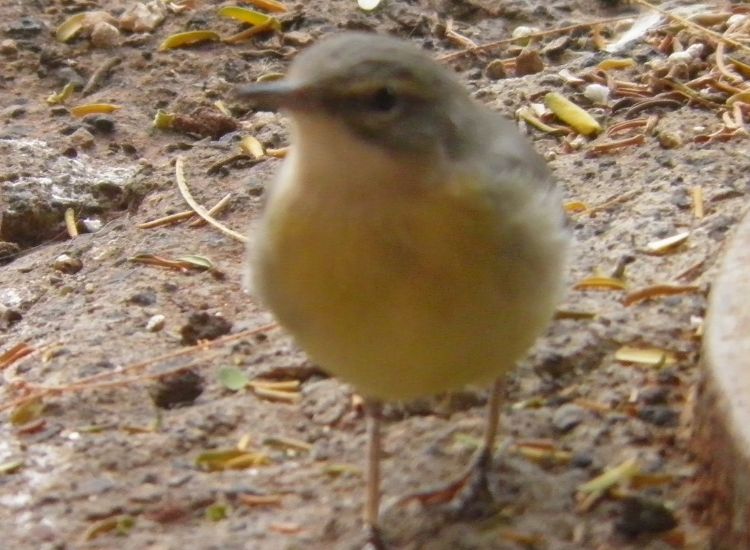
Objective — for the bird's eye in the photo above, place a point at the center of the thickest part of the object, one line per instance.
(383, 100)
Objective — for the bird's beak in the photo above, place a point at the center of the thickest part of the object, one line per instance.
(279, 94)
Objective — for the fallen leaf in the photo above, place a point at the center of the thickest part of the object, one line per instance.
(654, 357)
(233, 378)
(189, 38)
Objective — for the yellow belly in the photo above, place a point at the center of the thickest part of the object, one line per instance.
(404, 298)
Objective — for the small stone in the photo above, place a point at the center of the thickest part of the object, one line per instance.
(8, 316)
(92, 225)
(26, 27)
(297, 38)
(105, 35)
(654, 395)
(640, 515)
(659, 415)
(100, 124)
(556, 46)
(567, 417)
(155, 323)
(529, 62)
(597, 93)
(669, 140)
(65, 263)
(13, 111)
(495, 70)
(8, 251)
(581, 460)
(9, 47)
(144, 298)
(82, 138)
(140, 17)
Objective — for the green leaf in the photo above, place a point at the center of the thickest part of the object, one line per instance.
(233, 378)
(217, 511)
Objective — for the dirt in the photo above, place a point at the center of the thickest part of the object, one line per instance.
(100, 457)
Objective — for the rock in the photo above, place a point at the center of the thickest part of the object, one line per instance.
(654, 395)
(659, 415)
(495, 70)
(8, 251)
(9, 316)
(568, 416)
(8, 47)
(39, 184)
(670, 140)
(529, 62)
(92, 225)
(26, 27)
(155, 323)
(100, 124)
(105, 35)
(65, 263)
(142, 17)
(640, 515)
(298, 38)
(143, 298)
(82, 138)
(556, 46)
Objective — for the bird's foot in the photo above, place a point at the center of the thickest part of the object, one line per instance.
(468, 497)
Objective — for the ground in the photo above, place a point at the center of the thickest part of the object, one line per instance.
(90, 461)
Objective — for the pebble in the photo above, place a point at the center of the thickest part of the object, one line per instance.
(82, 138)
(65, 263)
(105, 35)
(529, 62)
(92, 225)
(659, 415)
(140, 17)
(556, 46)
(26, 27)
(9, 47)
(100, 124)
(298, 38)
(495, 70)
(8, 316)
(640, 515)
(155, 323)
(654, 395)
(144, 298)
(567, 417)
(670, 140)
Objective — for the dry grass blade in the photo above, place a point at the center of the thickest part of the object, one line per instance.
(657, 291)
(541, 34)
(695, 26)
(202, 212)
(70, 223)
(14, 354)
(95, 380)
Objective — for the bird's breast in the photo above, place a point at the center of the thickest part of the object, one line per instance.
(401, 291)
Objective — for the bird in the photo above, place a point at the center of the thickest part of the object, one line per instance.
(413, 241)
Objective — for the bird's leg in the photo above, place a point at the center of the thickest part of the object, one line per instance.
(373, 409)
(472, 489)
